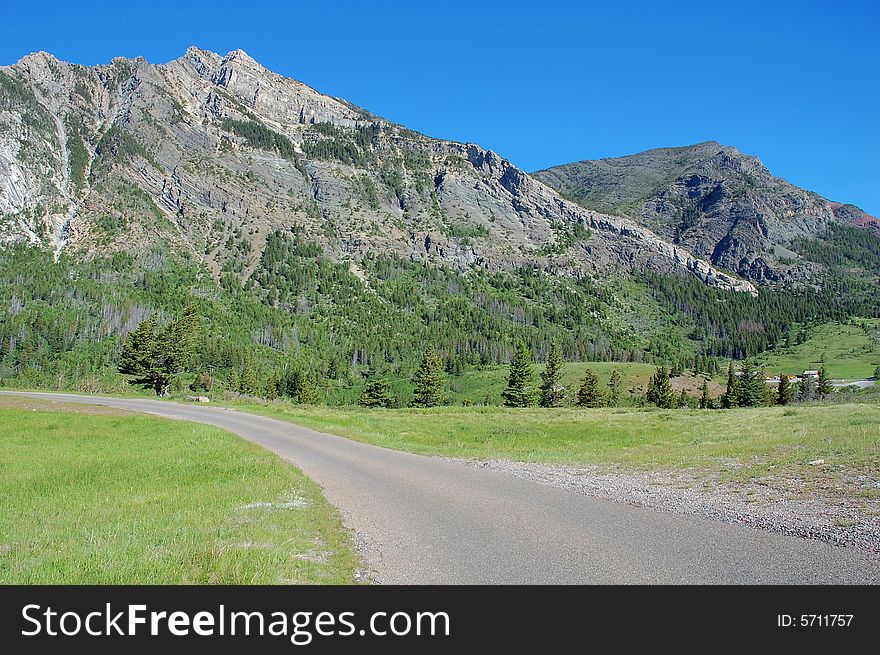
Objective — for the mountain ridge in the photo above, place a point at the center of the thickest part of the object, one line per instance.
(209, 140)
(716, 201)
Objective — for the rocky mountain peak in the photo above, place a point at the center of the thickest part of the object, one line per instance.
(211, 154)
(717, 202)
(239, 56)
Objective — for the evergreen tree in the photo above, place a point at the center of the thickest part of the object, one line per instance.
(430, 381)
(877, 373)
(301, 387)
(705, 398)
(730, 397)
(202, 382)
(823, 383)
(683, 399)
(614, 386)
(248, 383)
(552, 390)
(660, 390)
(519, 380)
(273, 386)
(589, 394)
(377, 393)
(807, 389)
(310, 390)
(784, 392)
(752, 390)
(155, 355)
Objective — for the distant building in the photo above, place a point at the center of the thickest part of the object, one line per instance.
(810, 374)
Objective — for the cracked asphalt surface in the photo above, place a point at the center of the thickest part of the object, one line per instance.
(427, 520)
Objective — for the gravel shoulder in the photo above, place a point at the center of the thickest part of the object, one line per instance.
(783, 505)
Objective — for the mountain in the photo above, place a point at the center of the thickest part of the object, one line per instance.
(318, 240)
(716, 202)
(211, 154)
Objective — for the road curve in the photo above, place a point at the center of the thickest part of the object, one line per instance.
(428, 520)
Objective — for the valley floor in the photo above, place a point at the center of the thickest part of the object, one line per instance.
(95, 498)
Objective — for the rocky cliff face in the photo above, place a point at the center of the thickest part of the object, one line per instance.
(208, 154)
(713, 201)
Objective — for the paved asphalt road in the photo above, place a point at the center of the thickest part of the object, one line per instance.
(427, 520)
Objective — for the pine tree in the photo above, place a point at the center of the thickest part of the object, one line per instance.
(823, 383)
(784, 392)
(155, 355)
(752, 390)
(519, 380)
(683, 399)
(310, 389)
(806, 389)
(614, 385)
(301, 387)
(877, 374)
(430, 381)
(377, 393)
(552, 390)
(248, 383)
(589, 394)
(273, 386)
(705, 398)
(730, 397)
(202, 382)
(660, 390)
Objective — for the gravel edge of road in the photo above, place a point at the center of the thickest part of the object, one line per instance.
(844, 522)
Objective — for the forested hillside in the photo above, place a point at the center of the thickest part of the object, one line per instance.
(320, 245)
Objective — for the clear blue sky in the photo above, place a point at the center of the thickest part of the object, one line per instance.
(542, 82)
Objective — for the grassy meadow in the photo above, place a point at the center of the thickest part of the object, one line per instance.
(850, 351)
(97, 496)
(743, 443)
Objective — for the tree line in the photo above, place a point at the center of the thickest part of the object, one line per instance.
(153, 355)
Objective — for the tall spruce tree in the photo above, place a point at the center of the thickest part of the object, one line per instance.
(660, 390)
(807, 389)
(589, 394)
(683, 399)
(784, 392)
(429, 380)
(310, 391)
(752, 389)
(155, 355)
(519, 380)
(614, 388)
(248, 382)
(730, 397)
(273, 386)
(552, 390)
(823, 383)
(705, 398)
(377, 393)
(302, 387)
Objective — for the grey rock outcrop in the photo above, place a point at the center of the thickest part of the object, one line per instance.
(717, 203)
(208, 154)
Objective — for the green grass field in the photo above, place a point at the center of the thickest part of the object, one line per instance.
(92, 498)
(849, 351)
(742, 443)
(484, 386)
